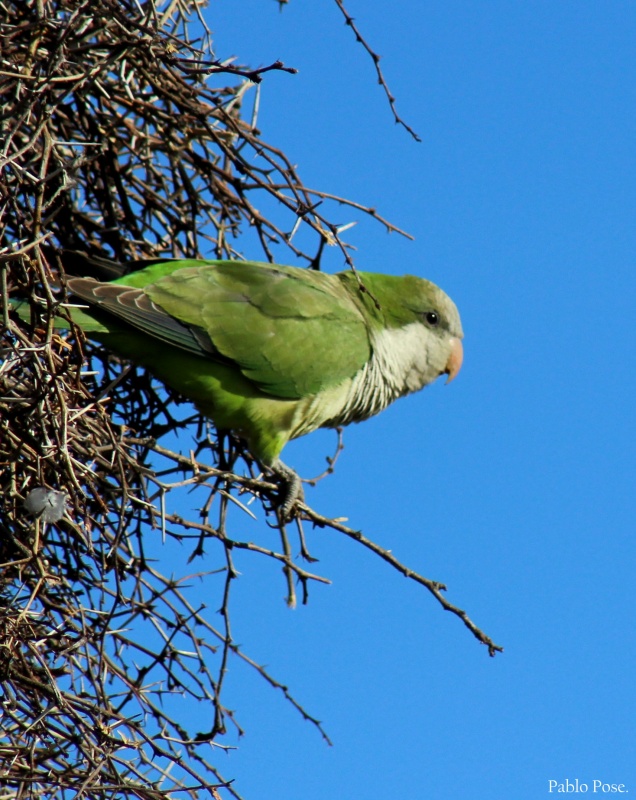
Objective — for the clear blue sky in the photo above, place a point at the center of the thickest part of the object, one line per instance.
(515, 485)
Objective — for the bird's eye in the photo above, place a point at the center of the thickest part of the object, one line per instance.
(432, 317)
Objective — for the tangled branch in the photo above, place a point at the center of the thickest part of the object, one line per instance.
(124, 134)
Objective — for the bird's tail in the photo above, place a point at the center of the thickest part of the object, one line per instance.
(89, 322)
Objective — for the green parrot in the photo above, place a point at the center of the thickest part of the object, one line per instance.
(272, 352)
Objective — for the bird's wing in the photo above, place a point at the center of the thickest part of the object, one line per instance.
(292, 332)
(133, 305)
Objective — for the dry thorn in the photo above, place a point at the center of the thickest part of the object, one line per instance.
(350, 22)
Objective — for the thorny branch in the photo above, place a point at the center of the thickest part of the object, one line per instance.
(351, 23)
(124, 135)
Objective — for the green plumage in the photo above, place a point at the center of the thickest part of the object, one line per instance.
(273, 352)
(267, 320)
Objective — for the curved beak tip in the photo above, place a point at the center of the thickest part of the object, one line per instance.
(454, 363)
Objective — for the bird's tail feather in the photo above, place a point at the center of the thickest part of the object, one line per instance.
(87, 321)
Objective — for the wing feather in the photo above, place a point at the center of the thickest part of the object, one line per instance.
(292, 332)
(137, 309)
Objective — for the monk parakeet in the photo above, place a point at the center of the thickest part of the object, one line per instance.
(273, 352)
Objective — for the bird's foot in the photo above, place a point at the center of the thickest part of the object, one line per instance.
(291, 490)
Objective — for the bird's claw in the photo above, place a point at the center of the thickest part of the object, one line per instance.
(290, 492)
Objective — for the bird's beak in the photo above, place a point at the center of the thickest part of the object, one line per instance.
(454, 363)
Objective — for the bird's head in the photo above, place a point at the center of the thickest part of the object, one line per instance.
(439, 315)
(422, 329)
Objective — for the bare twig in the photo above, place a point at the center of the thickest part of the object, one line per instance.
(434, 587)
(350, 21)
